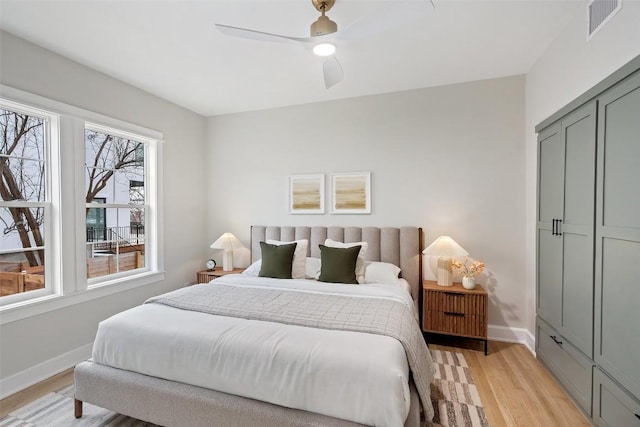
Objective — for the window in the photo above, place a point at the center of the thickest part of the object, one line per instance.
(63, 242)
(115, 176)
(24, 200)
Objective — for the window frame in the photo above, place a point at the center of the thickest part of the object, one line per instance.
(51, 171)
(149, 211)
(68, 227)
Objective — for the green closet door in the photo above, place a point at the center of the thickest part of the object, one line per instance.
(550, 201)
(579, 133)
(617, 325)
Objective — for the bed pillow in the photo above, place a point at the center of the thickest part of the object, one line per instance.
(312, 268)
(363, 251)
(299, 256)
(338, 265)
(380, 272)
(253, 269)
(277, 260)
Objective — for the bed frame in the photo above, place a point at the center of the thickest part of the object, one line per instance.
(169, 403)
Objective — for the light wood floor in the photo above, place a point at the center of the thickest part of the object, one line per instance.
(514, 387)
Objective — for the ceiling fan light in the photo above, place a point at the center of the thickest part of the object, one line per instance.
(324, 49)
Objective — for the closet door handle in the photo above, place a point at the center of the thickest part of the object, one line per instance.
(558, 233)
(637, 416)
(553, 227)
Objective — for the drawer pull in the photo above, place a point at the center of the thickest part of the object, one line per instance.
(637, 416)
(555, 340)
(455, 294)
(451, 313)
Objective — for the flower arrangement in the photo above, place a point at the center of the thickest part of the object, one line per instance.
(466, 269)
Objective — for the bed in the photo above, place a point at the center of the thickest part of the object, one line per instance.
(271, 365)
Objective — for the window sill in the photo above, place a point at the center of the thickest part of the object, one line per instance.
(37, 306)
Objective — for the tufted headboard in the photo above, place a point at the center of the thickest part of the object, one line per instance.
(399, 246)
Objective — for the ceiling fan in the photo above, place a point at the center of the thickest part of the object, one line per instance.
(324, 33)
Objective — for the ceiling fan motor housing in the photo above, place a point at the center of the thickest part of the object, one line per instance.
(323, 26)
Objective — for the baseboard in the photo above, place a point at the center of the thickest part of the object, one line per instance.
(44, 370)
(517, 335)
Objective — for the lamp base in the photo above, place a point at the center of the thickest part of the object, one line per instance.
(445, 277)
(227, 260)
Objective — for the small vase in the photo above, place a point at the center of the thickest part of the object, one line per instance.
(468, 282)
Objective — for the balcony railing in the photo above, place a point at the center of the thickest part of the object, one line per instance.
(108, 238)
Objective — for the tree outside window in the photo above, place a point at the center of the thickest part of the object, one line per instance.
(23, 201)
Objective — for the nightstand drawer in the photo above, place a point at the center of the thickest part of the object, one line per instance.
(454, 302)
(455, 323)
(205, 276)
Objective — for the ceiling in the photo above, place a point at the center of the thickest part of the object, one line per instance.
(171, 48)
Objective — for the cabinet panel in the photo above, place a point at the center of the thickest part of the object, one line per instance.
(551, 175)
(620, 317)
(612, 406)
(621, 121)
(577, 291)
(580, 163)
(550, 277)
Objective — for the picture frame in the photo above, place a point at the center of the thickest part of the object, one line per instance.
(351, 193)
(306, 194)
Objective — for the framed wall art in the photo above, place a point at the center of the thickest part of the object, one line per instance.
(306, 194)
(351, 193)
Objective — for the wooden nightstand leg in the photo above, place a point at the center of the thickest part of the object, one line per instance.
(486, 342)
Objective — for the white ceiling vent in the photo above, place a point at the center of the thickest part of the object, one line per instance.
(600, 12)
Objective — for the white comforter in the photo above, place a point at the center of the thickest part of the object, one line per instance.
(349, 375)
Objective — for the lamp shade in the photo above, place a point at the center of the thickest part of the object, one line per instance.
(227, 241)
(445, 246)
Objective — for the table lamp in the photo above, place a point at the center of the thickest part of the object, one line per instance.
(228, 242)
(445, 248)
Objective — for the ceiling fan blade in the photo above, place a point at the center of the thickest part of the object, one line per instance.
(332, 71)
(392, 15)
(245, 33)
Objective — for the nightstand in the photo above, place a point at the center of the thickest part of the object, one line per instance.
(205, 276)
(454, 310)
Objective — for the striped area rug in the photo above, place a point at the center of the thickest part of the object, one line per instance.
(455, 398)
(454, 395)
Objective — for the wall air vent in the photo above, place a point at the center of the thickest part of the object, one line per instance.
(600, 12)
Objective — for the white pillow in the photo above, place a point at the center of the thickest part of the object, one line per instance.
(253, 269)
(312, 268)
(360, 262)
(380, 272)
(299, 256)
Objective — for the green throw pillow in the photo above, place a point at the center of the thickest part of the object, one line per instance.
(277, 260)
(338, 265)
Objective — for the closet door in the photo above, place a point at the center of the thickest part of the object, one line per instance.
(550, 205)
(576, 227)
(617, 326)
(566, 193)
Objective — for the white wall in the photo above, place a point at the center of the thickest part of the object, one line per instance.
(569, 67)
(37, 340)
(449, 159)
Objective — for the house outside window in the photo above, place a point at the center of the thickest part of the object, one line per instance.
(96, 222)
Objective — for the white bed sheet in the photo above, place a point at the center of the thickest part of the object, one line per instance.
(349, 375)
